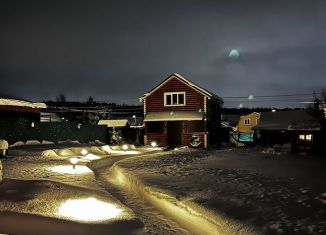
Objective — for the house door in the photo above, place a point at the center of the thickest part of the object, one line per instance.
(174, 133)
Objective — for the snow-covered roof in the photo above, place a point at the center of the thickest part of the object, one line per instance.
(287, 120)
(186, 81)
(114, 123)
(21, 103)
(173, 116)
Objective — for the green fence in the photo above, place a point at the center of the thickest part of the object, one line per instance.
(20, 129)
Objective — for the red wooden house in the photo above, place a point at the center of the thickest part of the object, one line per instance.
(179, 113)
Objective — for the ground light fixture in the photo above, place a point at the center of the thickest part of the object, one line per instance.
(153, 144)
(125, 147)
(84, 152)
(74, 161)
(89, 210)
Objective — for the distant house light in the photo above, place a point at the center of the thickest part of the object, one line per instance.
(32, 124)
(308, 137)
(273, 110)
(301, 137)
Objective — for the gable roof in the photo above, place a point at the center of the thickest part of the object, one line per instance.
(287, 120)
(114, 122)
(187, 82)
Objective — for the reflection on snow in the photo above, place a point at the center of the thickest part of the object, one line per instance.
(68, 169)
(89, 209)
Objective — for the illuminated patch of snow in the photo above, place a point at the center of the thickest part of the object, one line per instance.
(47, 142)
(19, 143)
(32, 142)
(68, 169)
(91, 157)
(89, 210)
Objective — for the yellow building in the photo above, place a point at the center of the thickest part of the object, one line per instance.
(247, 122)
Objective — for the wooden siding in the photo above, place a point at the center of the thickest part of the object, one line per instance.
(194, 99)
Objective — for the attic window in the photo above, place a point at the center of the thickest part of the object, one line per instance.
(174, 98)
(247, 121)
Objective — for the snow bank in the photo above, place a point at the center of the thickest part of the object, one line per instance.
(65, 152)
(19, 143)
(32, 142)
(45, 142)
(68, 142)
(50, 153)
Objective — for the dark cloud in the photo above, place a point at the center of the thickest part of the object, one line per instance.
(118, 50)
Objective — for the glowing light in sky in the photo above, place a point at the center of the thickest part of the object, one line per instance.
(89, 210)
(234, 53)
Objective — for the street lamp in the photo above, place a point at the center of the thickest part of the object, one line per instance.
(134, 116)
(73, 161)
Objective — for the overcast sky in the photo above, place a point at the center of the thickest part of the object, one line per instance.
(118, 50)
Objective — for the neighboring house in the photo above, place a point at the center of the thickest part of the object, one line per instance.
(179, 113)
(12, 108)
(244, 127)
(296, 127)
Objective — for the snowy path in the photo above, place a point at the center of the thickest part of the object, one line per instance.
(155, 222)
(40, 191)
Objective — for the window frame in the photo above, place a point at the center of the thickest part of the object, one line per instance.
(166, 94)
(247, 119)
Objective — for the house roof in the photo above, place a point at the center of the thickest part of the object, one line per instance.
(186, 81)
(21, 103)
(287, 120)
(114, 123)
(174, 116)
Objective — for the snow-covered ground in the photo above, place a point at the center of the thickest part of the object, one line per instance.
(42, 191)
(271, 194)
(229, 191)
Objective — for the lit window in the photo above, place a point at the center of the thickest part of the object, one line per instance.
(247, 121)
(308, 137)
(301, 137)
(174, 98)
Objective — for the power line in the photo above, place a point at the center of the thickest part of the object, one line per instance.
(271, 96)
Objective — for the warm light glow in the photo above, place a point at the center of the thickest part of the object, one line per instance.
(153, 144)
(91, 156)
(70, 170)
(125, 147)
(74, 160)
(106, 148)
(84, 152)
(301, 137)
(88, 210)
(308, 137)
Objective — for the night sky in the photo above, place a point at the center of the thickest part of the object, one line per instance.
(118, 50)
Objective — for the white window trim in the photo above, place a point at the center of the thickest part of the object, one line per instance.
(173, 93)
